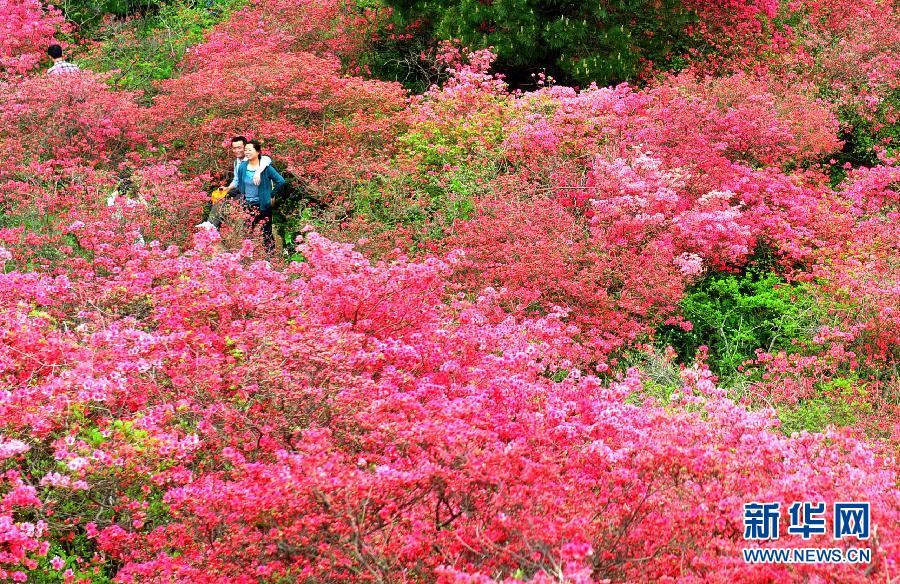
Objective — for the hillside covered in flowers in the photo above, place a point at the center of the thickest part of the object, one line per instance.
(515, 329)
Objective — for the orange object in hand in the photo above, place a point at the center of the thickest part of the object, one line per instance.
(218, 195)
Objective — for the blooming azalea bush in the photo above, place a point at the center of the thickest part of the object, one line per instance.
(312, 120)
(846, 49)
(557, 194)
(472, 393)
(27, 28)
(853, 346)
(324, 27)
(339, 420)
(850, 49)
(69, 117)
(283, 83)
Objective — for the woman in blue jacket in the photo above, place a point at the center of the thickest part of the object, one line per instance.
(258, 199)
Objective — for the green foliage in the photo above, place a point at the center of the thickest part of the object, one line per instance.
(400, 51)
(79, 546)
(661, 376)
(434, 200)
(865, 132)
(838, 402)
(289, 226)
(575, 41)
(444, 169)
(88, 14)
(295, 207)
(450, 138)
(734, 315)
(143, 50)
(556, 375)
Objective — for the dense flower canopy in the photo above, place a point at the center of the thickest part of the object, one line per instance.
(26, 29)
(462, 376)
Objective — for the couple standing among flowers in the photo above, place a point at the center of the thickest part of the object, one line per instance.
(254, 184)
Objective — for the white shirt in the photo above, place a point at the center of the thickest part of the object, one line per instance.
(61, 67)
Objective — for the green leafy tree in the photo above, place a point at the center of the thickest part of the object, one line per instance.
(575, 41)
(88, 14)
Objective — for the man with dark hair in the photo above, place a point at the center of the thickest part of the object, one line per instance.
(60, 65)
(238, 143)
(237, 148)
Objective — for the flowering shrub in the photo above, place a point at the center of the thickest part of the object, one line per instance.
(850, 50)
(141, 50)
(456, 405)
(69, 117)
(323, 28)
(281, 83)
(284, 423)
(309, 116)
(27, 28)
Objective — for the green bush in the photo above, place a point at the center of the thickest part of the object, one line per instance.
(733, 315)
(141, 51)
(428, 204)
(88, 14)
(575, 41)
(838, 402)
(862, 134)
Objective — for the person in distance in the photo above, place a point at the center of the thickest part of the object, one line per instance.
(60, 65)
